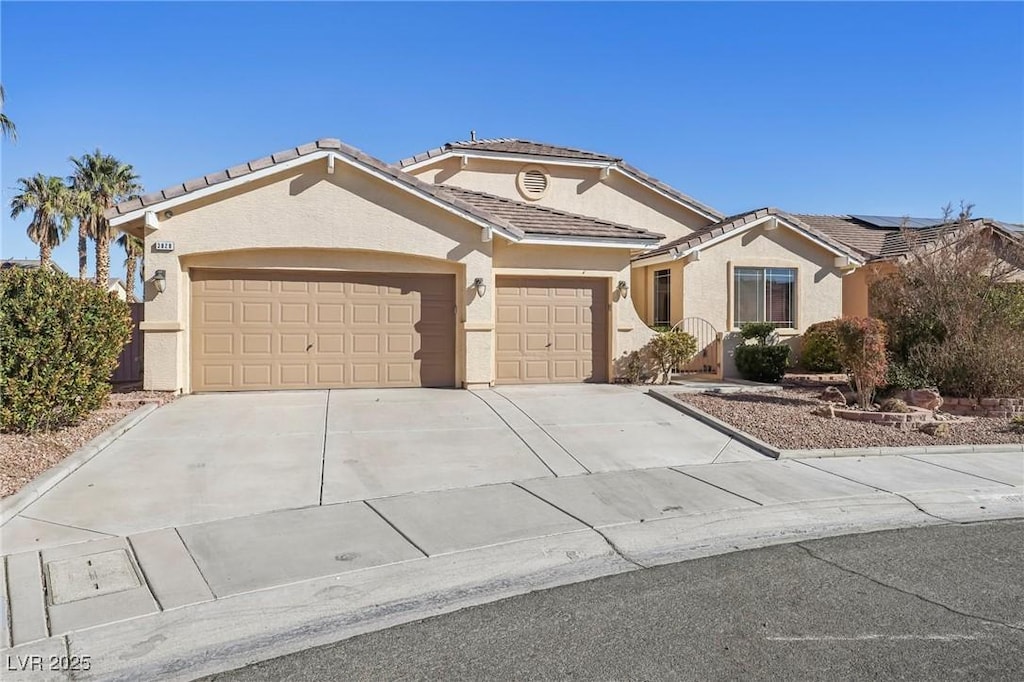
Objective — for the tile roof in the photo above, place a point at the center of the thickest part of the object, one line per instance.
(543, 221)
(510, 145)
(516, 218)
(734, 222)
(326, 144)
(881, 243)
(864, 238)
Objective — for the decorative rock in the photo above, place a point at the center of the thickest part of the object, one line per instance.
(937, 429)
(926, 398)
(827, 410)
(833, 395)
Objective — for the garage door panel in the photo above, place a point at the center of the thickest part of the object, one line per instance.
(551, 329)
(260, 331)
(254, 344)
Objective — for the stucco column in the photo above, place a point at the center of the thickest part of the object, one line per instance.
(479, 322)
(163, 326)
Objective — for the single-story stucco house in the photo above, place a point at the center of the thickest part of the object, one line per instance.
(477, 263)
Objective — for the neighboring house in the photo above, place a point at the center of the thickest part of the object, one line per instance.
(29, 263)
(882, 242)
(116, 286)
(477, 263)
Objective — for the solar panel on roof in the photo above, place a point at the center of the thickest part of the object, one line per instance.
(888, 221)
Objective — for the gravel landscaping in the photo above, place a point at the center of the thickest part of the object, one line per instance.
(23, 457)
(784, 420)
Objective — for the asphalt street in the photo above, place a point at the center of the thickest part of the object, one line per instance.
(937, 603)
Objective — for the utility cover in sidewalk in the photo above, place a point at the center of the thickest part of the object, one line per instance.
(90, 576)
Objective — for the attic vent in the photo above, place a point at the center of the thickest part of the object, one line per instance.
(533, 182)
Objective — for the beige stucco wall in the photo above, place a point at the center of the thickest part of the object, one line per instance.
(305, 218)
(857, 287)
(708, 285)
(576, 190)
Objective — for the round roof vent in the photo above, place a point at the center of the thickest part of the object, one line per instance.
(533, 182)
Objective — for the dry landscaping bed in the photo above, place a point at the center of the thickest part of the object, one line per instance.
(23, 457)
(784, 420)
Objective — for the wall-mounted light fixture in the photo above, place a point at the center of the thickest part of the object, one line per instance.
(623, 288)
(168, 213)
(480, 287)
(160, 281)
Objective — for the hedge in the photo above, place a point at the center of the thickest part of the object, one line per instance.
(59, 343)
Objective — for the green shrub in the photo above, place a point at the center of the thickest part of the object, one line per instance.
(669, 349)
(894, 405)
(59, 343)
(904, 376)
(762, 363)
(757, 330)
(862, 352)
(820, 348)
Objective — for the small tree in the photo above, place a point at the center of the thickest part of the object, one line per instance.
(862, 352)
(670, 349)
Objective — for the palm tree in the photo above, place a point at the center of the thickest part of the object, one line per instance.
(7, 128)
(103, 181)
(134, 250)
(47, 197)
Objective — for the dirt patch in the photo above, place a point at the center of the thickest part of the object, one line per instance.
(22, 457)
(784, 420)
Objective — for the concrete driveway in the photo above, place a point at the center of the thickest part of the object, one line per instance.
(217, 456)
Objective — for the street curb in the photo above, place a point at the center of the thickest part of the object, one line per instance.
(717, 424)
(777, 453)
(14, 504)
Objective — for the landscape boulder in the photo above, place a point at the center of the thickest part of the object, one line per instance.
(925, 398)
(937, 429)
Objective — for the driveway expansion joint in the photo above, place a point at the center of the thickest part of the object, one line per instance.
(608, 541)
(909, 593)
(543, 430)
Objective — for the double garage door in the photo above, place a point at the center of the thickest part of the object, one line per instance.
(290, 330)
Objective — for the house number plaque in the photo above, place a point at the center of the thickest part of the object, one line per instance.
(163, 246)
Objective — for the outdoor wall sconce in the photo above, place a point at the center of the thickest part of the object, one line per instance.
(160, 281)
(480, 287)
(623, 288)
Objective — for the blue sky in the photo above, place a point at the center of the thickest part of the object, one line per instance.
(879, 108)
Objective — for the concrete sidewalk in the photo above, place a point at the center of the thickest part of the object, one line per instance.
(194, 599)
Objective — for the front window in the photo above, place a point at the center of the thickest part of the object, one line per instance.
(662, 298)
(764, 295)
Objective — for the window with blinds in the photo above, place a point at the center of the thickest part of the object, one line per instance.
(764, 295)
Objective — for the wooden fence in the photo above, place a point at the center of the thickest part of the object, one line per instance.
(129, 365)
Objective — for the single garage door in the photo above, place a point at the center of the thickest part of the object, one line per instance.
(551, 330)
(287, 330)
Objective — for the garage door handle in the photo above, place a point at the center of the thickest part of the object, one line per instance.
(308, 347)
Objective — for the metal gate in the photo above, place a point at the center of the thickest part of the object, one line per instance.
(708, 359)
(129, 364)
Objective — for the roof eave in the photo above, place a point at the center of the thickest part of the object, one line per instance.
(124, 221)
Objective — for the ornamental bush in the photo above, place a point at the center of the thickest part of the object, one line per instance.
(59, 343)
(820, 349)
(862, 352)
(670, 349)
(761, 361)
